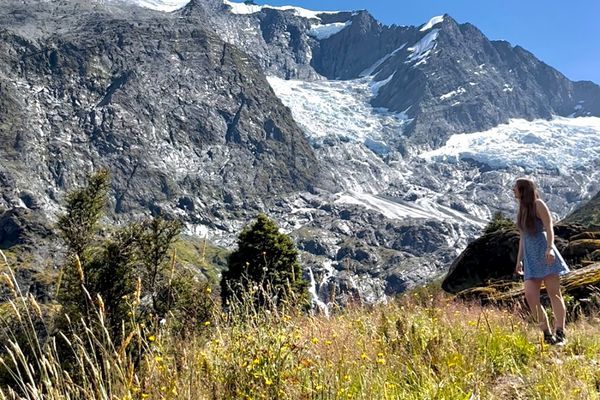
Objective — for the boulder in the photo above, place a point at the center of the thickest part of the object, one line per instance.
(492, 256)
(582, 248)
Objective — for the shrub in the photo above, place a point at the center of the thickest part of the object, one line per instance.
(266, 263)
(499, 222)
(79, 225)
(123, 269)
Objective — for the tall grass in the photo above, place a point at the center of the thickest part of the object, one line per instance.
(420, 346)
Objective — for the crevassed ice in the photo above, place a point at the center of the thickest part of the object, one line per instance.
(336, 108)
(561, 143)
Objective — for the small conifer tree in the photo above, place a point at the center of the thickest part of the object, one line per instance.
(99, 267)
(266, 263)
(155, 239)
(78, 226)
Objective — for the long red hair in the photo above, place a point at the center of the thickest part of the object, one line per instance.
(528, 193)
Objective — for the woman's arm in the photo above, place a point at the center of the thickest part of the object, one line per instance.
(519, 266)
(543, 213)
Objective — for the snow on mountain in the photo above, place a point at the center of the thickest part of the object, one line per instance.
(378, 63)
(453, 93)
(339, 109)
(433, 21)
(395, 209)
(377, 85)
(390, 209)
(423, 47)
(562, 144)
(321, 32)
(161, 5)
(241, 8)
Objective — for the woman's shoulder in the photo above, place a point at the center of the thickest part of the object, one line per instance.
(541, 209)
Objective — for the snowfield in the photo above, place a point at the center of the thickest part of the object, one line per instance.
(562, 144)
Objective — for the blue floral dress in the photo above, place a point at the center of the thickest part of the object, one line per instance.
(534, 257)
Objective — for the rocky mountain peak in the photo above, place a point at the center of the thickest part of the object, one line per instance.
(324, 120)
(194, 8)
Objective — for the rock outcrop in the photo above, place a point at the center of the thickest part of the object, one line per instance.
(492, 258)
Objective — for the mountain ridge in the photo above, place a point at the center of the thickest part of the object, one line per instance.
(494, 80)
(211, 117)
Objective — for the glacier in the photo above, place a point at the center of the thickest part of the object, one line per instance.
(562, 144)
(464, 180)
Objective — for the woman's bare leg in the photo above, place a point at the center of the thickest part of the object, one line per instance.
(552, 283)
(532, 294)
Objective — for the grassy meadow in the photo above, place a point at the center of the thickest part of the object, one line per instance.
(421, 345)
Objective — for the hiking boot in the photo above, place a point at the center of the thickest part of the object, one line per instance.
(549, 338)
(561, 338)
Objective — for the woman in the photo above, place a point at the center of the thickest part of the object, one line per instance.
(539, 260)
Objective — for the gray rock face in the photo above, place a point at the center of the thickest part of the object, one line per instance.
(182, 119)
(357, 47)
(468, 83)
(275, 40)
(353, 254)
(448, 79)
(20, 226)
(178, 107)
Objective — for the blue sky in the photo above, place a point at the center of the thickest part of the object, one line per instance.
(565, 35)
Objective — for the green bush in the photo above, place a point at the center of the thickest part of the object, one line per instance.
(125, 271)
(189, 303)
(499, 222)
(100, 266)
(155, 239)
(265, 263)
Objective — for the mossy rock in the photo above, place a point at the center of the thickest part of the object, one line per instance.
(586, 235)
(582, 247)
(490, 257)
